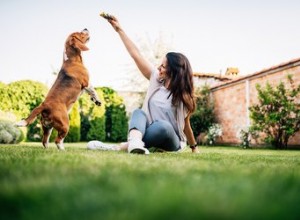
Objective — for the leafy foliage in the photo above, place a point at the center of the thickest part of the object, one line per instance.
(74, 124)
(116, 126)
(119, 123)
(9, 134)
(21, 97)
(203, 118)
(278, 112)
(97, 120)
(86, 107)
(245, 135)
(214, 131)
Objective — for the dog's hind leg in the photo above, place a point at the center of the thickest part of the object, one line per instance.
(60, 144)
(46, 137)
(62, 133)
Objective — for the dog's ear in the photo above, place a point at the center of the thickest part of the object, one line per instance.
(74, 42)
(79, 45)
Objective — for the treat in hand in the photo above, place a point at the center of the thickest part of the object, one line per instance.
(105, 15)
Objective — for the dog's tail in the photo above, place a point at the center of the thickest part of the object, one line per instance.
(31, 118)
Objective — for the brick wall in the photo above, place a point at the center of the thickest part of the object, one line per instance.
(232, 99)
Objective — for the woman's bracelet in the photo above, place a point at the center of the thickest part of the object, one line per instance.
(193, 146)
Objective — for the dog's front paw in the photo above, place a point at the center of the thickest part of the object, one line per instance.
(97, 102)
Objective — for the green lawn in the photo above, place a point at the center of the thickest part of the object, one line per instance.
(218, 183)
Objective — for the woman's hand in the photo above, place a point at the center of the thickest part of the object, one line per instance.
(115, 23)
(112, 20)
(141, 62)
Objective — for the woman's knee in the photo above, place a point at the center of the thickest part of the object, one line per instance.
(162, 134)
(138, 121)
(164, 128)
(138, 112)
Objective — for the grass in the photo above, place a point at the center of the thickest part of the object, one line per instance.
(219, 183)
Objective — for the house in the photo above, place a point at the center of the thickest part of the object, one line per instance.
(211, 79)
(233, 98)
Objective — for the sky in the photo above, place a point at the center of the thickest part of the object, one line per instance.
(213, 34)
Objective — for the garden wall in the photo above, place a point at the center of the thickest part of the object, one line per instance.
(232, 99)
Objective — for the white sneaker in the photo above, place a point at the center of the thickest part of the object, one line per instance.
(136, 146)
(98, 145)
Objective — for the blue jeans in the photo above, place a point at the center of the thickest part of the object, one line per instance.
(159, 134)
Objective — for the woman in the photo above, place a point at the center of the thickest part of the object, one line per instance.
(164, 120)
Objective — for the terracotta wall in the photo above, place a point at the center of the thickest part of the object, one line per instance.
(233, 99)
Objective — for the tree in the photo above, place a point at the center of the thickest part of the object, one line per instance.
(74, 124)
(278, 112)
(203, 118)
(119, 123)
(86, 107)
(20, 98)
(116, 125)
(97, 119)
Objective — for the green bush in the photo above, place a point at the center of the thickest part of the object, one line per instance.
(34, 131)
(97, 120)
(119, 123)
(85, 109)
(9, 134)
(84, 126)
(278, 112)
(20, 98)
(203, 118)
(116, 126)
(74, 124)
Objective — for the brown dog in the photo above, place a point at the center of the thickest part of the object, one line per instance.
(72, 79)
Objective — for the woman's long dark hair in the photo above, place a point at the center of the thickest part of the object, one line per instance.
(181, 85)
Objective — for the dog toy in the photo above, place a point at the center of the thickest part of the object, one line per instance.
(106, 15)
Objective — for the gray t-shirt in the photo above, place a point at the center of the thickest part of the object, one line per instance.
(161, 108)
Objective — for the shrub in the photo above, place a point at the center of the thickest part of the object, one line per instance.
(246, 135)
(203, 117)
(119, 123)
(84, 126)
(116, 125)
(214, 131)
(9, 134)
(74, 124)
(278, 112)
(34, 131)
(97, 120)
(85, 108)
(20, 98)
(97, 123)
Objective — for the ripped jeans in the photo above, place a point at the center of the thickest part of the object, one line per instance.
(159, 134)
